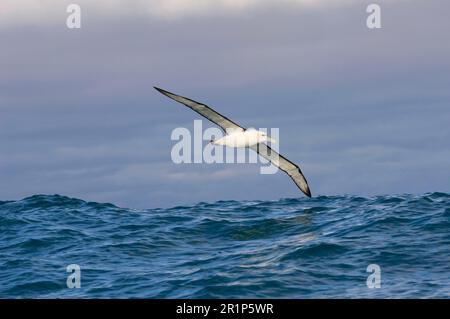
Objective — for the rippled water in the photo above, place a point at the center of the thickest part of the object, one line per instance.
(290, 248)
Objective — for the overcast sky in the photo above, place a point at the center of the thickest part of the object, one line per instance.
(361, 111)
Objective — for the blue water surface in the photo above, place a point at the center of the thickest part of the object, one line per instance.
(289, 248)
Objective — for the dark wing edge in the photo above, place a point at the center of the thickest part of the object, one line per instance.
(285, 165)
(204, 110)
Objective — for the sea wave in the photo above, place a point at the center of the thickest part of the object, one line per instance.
(288, 248)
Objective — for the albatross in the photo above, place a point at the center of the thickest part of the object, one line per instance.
(238, 136)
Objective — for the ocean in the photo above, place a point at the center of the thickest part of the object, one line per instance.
(324, 247)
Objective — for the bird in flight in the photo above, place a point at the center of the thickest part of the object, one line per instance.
(237, 136)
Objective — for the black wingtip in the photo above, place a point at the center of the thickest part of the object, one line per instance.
(308, 192)
(164, 92)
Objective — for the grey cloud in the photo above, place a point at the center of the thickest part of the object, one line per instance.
(362, 111)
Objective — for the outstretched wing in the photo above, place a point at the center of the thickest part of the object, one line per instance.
(204, 110)
(285, 165)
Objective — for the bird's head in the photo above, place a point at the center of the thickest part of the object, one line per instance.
(263, 137)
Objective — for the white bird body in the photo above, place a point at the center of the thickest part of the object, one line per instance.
(246, 138)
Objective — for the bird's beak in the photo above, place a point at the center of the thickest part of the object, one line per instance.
(272, 140)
